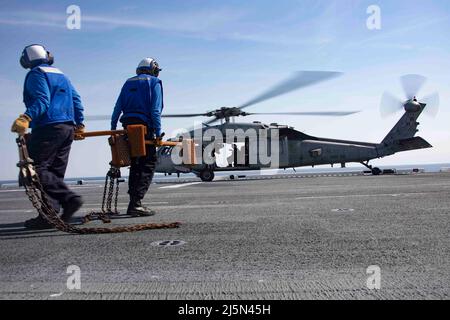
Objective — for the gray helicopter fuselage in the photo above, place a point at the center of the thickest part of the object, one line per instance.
(295, 148)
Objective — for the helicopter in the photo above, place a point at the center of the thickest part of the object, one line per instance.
(292, 148)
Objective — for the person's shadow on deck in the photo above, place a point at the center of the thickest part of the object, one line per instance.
(17, 230)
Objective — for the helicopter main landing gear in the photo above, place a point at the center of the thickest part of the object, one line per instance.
(206, 175)
(375, 171)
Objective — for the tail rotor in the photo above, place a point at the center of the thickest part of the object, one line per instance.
(412, 84)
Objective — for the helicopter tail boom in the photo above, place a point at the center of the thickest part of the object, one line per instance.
(402, 136)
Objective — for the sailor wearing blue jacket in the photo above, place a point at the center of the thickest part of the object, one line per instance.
(55, 114)
(141, 102)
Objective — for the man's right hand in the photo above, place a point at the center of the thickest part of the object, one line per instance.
(21, 124)
(159, 139)
(79, 130)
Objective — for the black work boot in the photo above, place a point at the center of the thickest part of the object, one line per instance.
(71, 207)
(37, 223)
(136, 209)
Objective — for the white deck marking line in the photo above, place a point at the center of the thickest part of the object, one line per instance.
(180, 185)
(86, 186)
(95, 186)
(17, 210)
(365, 195)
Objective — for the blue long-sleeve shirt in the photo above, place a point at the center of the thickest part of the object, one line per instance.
(49, 97)
(141, 97)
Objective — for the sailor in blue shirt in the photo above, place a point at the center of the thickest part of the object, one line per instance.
(141, 102)
(55, 114)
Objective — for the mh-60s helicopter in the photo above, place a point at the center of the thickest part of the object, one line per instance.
(294, 148)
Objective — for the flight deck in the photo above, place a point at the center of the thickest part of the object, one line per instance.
(279, 237)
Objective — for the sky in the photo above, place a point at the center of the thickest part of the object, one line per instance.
(223, 53)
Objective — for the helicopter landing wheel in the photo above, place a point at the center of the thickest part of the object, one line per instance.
(376, 171)
(206, 175)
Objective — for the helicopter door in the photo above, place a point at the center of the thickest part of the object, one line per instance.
(284, 152)
(247, 151)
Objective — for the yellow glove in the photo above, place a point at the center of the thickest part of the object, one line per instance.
(79, 130)
(21, 124)
(159, 140)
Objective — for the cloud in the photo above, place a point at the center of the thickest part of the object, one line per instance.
(192, 22)
(206, 24)
(403, 30)
(30, 22)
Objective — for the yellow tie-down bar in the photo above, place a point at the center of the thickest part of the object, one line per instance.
(130, 143)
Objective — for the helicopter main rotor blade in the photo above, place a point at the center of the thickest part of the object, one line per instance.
(108, 118)
(187, 115)
(207, 123)
(432, 104)
(298, 80)
(412, 83)
(389, 105)
(326, 113)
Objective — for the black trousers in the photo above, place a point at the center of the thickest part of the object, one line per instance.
(142, 169)
(49, 147)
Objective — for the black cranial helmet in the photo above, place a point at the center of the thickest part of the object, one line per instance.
(148, 66)
(34, 55)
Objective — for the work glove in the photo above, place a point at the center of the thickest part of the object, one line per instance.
(21, 124)
(79, 130)
(159, 139)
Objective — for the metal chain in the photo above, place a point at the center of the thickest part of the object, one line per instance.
(40, 201)
(116, 199)
(111, 179)
(110, 195)
(104, 193)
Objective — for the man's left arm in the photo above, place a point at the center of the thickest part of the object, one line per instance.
(37, 101)
(157, 106)
(77, 106)
(77, 113)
